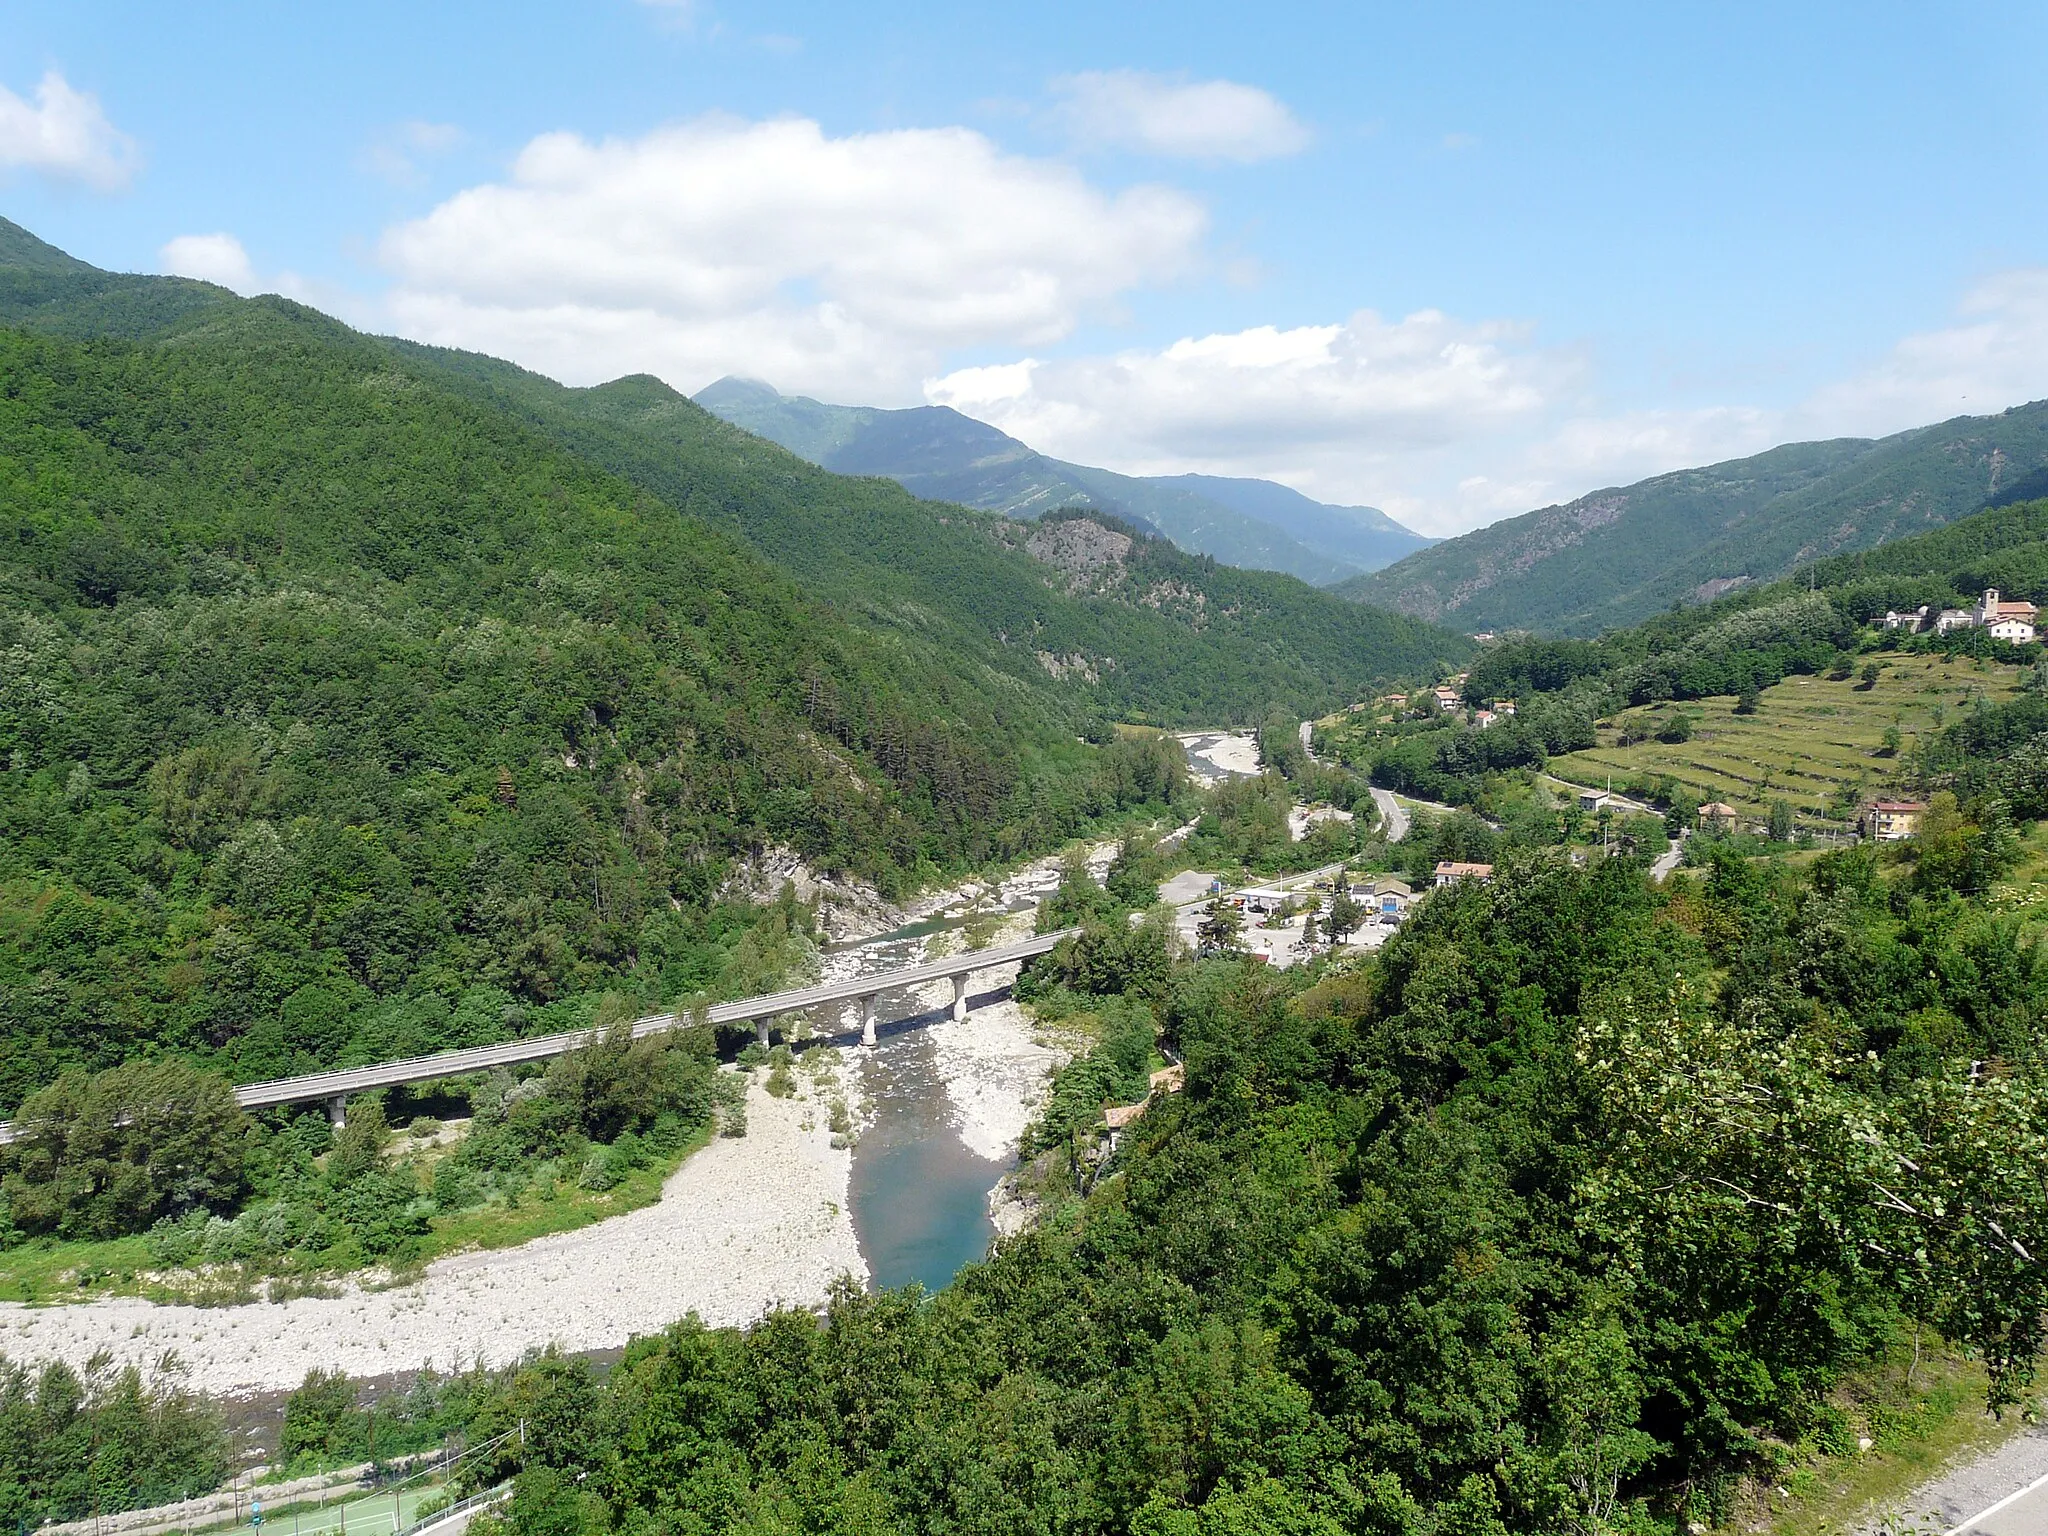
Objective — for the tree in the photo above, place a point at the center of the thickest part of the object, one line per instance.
(1867, 679)
(1345, 915)
(322, 1419)
(1890, 743)
(1746, 702)
(360, 1146)
(1219, 927)
(116, 1152)
(1779, 824)
(1132, 881)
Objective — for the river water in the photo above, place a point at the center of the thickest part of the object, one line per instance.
(919, 1193)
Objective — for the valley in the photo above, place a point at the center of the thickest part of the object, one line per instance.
(1385, 1131)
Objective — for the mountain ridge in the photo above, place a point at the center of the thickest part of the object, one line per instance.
(1621, 553)
(943, 454)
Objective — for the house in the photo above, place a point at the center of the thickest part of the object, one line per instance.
(1484, 718)
(1398, 700)
(1170, 1079)
(1387, 899)
(1718, 816)
(1891, 821)
(1912, 623)
(1954, 618)
(1991, 612)
(2012, 622)
(1451, 871)
(1446, 698)
(1592, 799)
(1504, 707)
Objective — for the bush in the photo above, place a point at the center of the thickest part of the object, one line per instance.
(117, 1152)
(322, 1421)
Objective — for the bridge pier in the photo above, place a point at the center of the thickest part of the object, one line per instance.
(761, 1031)
(867, 1020)
(337, 1111)
(960, 996)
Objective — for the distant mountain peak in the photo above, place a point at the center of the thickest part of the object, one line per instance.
(939, 453)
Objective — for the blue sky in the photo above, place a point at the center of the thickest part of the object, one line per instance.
(1454, 261)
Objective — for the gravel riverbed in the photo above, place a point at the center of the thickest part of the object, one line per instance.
(746, 1224)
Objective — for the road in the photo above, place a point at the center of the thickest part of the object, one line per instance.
(317, 1087)
(2002, 1493)
(1393, 814)
(1619, 800)
(1668, 860)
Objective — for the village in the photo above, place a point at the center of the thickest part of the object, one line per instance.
(2013, 623)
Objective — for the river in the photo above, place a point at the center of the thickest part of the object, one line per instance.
(919, 1190)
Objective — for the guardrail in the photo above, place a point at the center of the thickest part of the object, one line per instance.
(465, 1511)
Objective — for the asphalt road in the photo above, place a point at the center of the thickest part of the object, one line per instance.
(1393, 814)
(2001, 1493)
(2026, 1515)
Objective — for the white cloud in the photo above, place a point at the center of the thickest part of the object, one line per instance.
(396, 155)
(1346, 411)
(1997, 356)
(215, 258)
(64, 135)
(846, 265)
(1449, 424)
(1196, 120)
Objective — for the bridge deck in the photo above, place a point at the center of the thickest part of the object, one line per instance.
(318, 1086)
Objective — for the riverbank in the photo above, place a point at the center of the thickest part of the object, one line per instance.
(746, 1224)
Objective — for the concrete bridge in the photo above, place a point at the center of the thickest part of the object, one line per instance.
(333, 1088)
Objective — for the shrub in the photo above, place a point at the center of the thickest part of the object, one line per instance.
(117, 1152)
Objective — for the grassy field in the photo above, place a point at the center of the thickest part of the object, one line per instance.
(1817, 744)
(46, 1271)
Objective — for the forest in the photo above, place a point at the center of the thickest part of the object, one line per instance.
(360, 701)
(1585, 1203)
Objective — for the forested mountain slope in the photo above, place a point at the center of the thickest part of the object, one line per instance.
(1154, 634)
(346, 712)
(937, 452)
(1619, 555)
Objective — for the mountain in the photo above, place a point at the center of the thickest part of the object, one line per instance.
(359, 698)
(1365, 536)
(1621, 554)
(1148, 631)
(945, 456)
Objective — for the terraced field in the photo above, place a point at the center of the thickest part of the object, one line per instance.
(1816, 744)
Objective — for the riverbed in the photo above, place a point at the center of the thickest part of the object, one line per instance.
(773, 1218)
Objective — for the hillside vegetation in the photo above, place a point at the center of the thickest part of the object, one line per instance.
(1584, 1205)
(1823, 745)
(1618, 555)
(1780, 696)
(358, 700)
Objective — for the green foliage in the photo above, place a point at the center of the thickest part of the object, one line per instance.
(321, 1419)
(361, 699)
(112, 1153)
(72, 1447)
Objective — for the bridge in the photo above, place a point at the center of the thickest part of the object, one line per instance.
(333, 1088)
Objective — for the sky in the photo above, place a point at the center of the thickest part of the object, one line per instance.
(1454, 261)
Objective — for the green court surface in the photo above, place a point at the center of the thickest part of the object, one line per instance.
(362, 1514)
